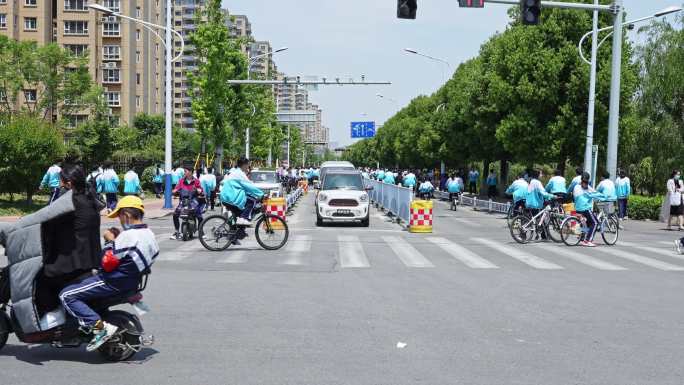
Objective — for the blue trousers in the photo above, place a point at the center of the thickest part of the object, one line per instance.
(54, 195)
(112, 199)
(622, 208)
(74, 298)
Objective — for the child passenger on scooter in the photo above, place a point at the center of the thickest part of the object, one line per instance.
(127, 257)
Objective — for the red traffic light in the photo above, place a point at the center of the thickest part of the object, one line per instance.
(471, 3)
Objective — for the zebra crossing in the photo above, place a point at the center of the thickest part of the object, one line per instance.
(477, 253)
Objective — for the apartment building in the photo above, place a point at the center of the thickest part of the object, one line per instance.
(123, 57)
(185, 16)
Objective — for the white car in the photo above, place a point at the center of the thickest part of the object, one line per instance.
(267, 181)
(343, 198)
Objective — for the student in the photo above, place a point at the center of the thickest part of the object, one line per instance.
(132, 183)
(473, 179)
(556, 185)
(623, 189)
(158, 181)
(584, 196)
(208, 182)
(110, 185)
(51, 180)
(518, 190)
(491, 184)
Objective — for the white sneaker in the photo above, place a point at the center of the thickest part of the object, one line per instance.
(101, 336)
(678, 246)
(243, 222)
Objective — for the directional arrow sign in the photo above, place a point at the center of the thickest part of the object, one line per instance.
(362, 129)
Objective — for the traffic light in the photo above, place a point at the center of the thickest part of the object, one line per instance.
(471, 3)
(530, 11)
(406, 9)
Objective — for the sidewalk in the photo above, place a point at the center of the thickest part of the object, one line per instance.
(153, 210)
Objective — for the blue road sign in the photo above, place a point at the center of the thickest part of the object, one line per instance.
(362, 129)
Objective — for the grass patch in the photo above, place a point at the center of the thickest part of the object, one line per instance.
(18, 206)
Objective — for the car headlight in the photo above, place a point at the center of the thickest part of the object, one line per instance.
(363, 198)
(322, 197)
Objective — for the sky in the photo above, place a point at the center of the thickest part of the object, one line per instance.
(350, 38)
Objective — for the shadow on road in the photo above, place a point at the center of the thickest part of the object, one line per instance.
(40, 354)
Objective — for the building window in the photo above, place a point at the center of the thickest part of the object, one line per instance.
(137, 78)
(114, 5)
(31, 3)
(111, 29)
(77, 49)
(31, 96)
(137, 101)
(75, 27)
(111, 52)
(137, 56)
(113, 99)
(75, 5)
(156, 48)
(138, 14)
(137, 34)
(3, 20)
(73, 121)
(30, 23)
(111, 75)
(3, 1)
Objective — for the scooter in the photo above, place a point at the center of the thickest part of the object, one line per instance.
(62, 331)
(188, 219)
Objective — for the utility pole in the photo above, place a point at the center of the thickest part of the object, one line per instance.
(592, 95)
(614, 108)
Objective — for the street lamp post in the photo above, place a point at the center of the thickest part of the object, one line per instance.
(446, 63)
(611, 160)
(168, 148)
(252, 61)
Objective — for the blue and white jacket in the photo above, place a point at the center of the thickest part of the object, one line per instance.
(158, 176)
(623, 188)
(177, 175)
(51, 178)
(536, 195)
(607, 188)
(235, 188)
(131, 183)
(389, 178)
(518, 189)
(454, 185)
(556, 185)
(208, 182)
(109, 181)
(575, 181)
(409, 180)
(136, 249)
(584, 199)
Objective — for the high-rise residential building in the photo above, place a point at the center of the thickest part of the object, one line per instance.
(185, 16)
(126, 59)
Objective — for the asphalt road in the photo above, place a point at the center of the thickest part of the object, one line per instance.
(470, 306)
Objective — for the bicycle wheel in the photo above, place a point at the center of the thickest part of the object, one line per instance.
(553, 228)
(214, 233)
(519, 229)
(571, 231)
(271, 232)
(610, 228)
(510, 215)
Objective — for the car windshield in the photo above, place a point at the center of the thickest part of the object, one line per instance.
(263, 177)
(342, 182)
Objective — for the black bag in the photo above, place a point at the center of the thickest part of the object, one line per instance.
(4, 286)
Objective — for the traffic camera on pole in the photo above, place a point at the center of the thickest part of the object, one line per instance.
(530, 11)
(471, 3)
(406, 9)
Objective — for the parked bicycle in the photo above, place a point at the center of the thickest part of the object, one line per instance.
(525, 228)
(219, 232)
(574, 228)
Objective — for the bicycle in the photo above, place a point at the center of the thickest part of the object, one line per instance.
(525, 229)
(574, 228)
(454, 199)
(219, 232)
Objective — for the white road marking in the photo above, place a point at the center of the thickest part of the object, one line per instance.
(297, 247)
(668, 253)
(238, 254)
(639, 259)
(407, 253)
(668, 243)
(467, 222)
(462, 254)
(183, 251)
(581, 258)
(526, 258)
(351, 252)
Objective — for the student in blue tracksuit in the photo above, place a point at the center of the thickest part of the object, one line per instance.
(208, 182)
(110, 185)
(51, 180)
(177, 174)
(380, 175)
(132, 183)
(576, 180)
(240, 192)
(584, 196)
(491, 184)
(158, 181)
(623, 190)
(389, 178)
(536, 195)
(518, 190)
(409, 180)
(426, 189)
(556, 185)
(473, 179)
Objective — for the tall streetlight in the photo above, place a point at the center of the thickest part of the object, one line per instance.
(252, 61)
(443, 61)
(611, 161)
(381, 96)
(168, 148)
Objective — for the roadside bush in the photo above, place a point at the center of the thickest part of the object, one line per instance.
(641, 207)
(146, 178)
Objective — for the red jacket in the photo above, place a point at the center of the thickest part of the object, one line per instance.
(193, 185)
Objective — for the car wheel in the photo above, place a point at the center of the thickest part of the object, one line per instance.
(319, 221)
(365, 222)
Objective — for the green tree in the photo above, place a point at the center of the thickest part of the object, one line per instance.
(27, 146)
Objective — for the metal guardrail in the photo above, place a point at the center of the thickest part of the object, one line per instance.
(478, 204)
(396, 200)
(293, 197)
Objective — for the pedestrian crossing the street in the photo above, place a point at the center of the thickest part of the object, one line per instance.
(428, 253)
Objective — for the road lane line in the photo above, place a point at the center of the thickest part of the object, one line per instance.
(526, 258)
(462, 254)
(238, 254)
(467, 222)
(297, 247)
(183, 251)
(655, 263)
(407, 253)
(668, 253)
(581, 258)
(351, 252)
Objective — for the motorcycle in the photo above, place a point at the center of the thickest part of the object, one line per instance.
(188, 217)
(23, 242)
